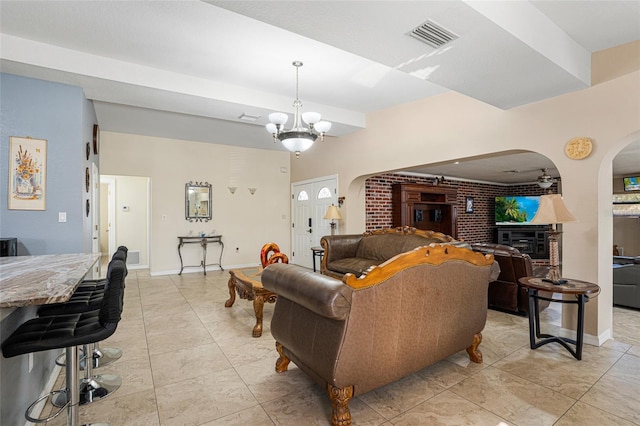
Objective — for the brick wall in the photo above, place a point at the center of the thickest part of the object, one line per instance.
(475, 227)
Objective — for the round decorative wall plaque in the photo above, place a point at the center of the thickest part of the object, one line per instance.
(578, 148)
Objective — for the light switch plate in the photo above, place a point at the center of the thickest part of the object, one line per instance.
(62, 216)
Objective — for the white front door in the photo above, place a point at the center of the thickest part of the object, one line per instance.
(310, 202)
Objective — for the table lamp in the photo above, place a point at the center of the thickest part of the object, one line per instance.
(334, 214)
(553, 211)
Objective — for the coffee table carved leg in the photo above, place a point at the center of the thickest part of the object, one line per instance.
(340, 397)
(474, 354)
(283, 362)
(258, 308)
(232, 292)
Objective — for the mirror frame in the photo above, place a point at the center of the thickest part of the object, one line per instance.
(187, 215)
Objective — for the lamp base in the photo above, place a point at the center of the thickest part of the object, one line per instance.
(554, 275)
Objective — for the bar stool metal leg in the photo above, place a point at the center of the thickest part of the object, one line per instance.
(72, 386)
(101, 356)
(104, 356)
(91, 388)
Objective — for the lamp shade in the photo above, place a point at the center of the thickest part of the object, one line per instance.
(552, 210)
(333, 213)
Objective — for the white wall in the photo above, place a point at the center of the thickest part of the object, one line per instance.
(246, 221)
(451, 126)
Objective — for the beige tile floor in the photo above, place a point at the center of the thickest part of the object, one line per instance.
(188, 360)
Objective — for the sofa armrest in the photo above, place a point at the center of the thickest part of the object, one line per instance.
(340, 246)
(325, 296)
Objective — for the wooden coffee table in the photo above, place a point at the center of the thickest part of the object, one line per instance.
(250, 288)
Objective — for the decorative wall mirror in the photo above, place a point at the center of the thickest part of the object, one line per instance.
(197, 198)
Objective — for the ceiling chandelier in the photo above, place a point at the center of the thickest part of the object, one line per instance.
(299, 138)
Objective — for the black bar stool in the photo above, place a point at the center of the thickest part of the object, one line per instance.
(92, 387)
(87, 297)
(69, 331)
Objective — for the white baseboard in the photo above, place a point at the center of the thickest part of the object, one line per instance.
(588, 339)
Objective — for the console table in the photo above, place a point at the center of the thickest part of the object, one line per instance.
(203, 241)
(580, 289)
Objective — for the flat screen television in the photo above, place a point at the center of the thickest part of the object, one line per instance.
(631, 183)
(516, 210)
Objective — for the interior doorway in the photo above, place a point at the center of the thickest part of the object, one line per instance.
(125, 217)
(310, 201)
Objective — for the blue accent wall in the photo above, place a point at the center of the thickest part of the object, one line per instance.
(62, 115)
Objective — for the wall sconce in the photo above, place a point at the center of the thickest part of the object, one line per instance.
(253, 190)
(232, 189)
(340, 201)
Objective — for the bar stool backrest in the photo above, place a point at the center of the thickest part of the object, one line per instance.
(121, 253)
(112, 301)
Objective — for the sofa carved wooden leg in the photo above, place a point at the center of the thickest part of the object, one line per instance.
(340, 397)
(474, 354)
(283, 362)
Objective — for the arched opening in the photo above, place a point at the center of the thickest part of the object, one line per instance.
(623, 230)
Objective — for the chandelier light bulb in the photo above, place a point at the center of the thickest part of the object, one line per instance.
(278, 118)
(272, 128)
(299, 138)
(322, 126)
(311, 117)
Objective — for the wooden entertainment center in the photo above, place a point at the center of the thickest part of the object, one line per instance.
(531, 240)
(428, 207)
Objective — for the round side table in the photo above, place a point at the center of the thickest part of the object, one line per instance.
(581, 290)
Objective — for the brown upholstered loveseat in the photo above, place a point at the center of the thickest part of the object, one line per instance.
(357, 334)
(356, 253)
(506, 293)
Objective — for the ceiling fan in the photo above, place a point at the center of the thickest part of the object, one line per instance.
(544, 180)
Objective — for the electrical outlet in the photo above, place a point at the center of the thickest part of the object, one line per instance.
(62, 216)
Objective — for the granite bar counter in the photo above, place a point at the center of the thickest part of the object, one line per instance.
(25, 283)
(38, 280)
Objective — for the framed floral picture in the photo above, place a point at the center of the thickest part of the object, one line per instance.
(27, 173)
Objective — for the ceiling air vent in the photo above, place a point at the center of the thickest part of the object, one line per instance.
(433, 34)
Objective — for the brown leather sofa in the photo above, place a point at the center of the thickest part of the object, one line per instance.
(357, 334)
(356, 253)
(506, 293)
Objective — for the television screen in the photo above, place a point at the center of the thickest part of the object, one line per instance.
(631, 183)
(516, 210)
